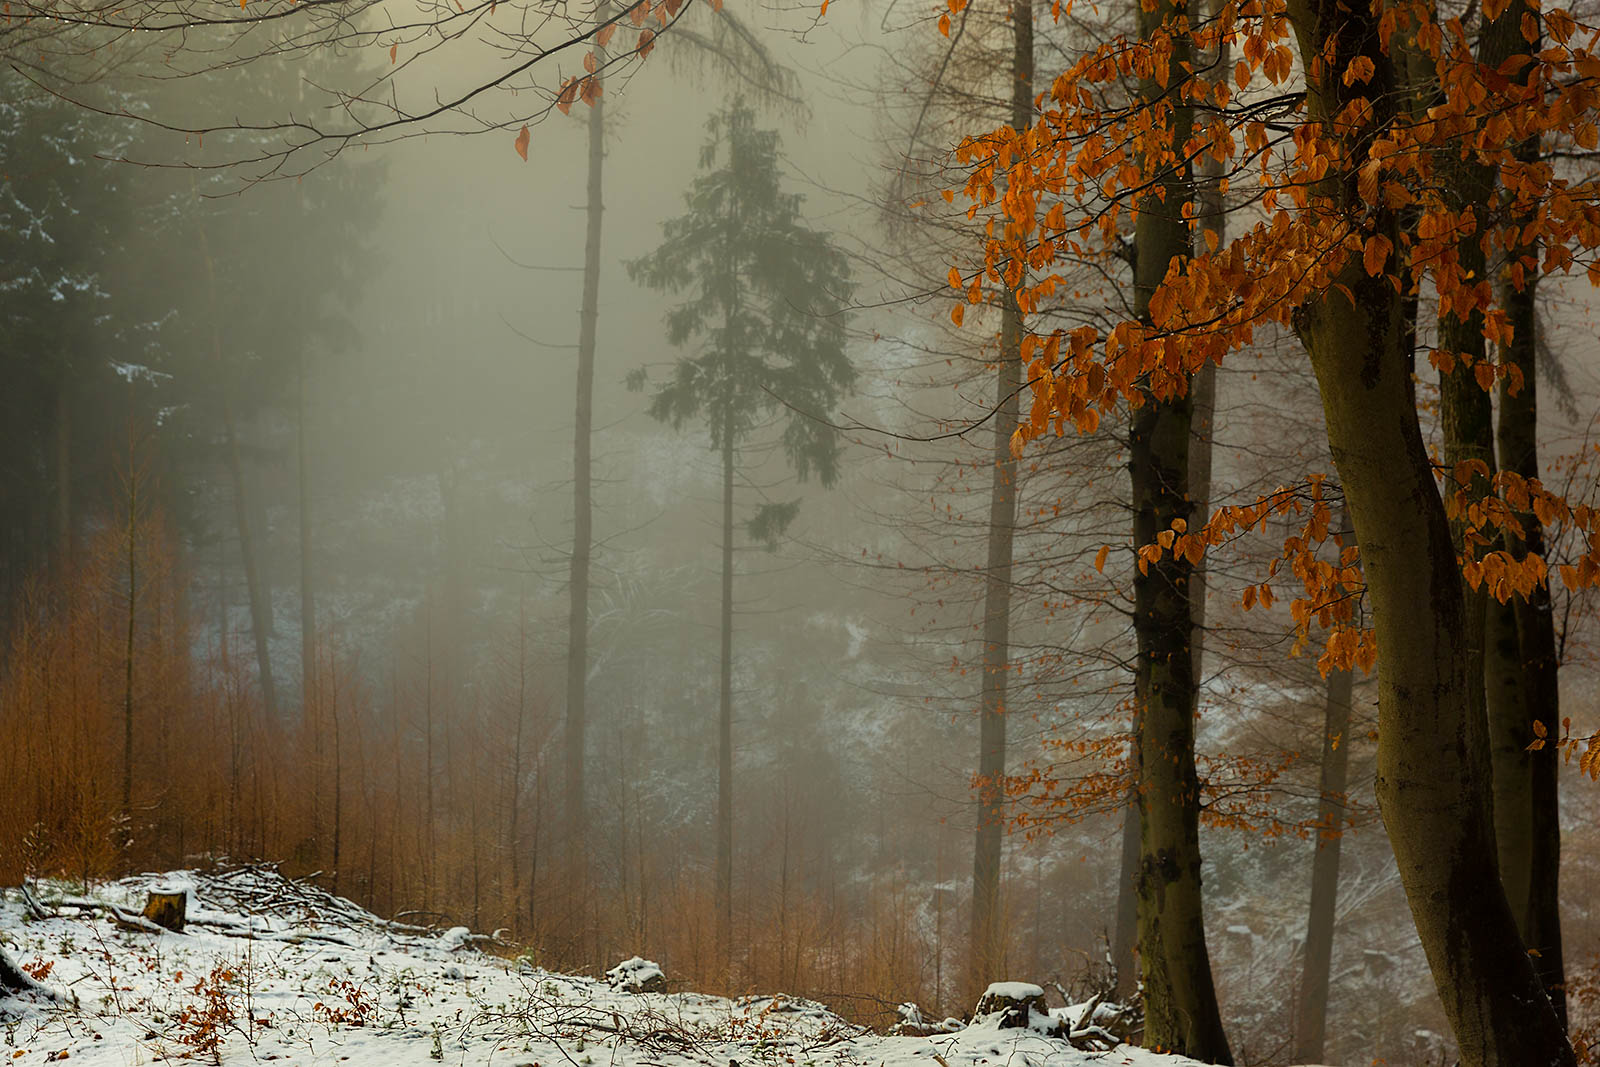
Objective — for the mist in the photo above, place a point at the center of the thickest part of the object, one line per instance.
(301, 537)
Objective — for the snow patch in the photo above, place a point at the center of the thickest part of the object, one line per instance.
(270, 969)
(1013, 990)
(637, 975)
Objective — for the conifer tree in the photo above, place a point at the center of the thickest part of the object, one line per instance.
(764, 319)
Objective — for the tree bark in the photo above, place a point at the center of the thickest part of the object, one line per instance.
(724, 874)
(988, 943)
(132, 548)
(582, 513)
(1432, 759)
(1311, 1029)
(14, 979)
(1126, 934)
(260, 610)
(308, 606)
(64, 529)
(1432, 748)
(514, 804)
(1212, 211)
(1540, 915)
(1467, 423)
(1432, 738)
(260, 621)
(1517, 437)
(1180, 1004)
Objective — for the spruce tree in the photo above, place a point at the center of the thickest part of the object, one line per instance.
(763, 323)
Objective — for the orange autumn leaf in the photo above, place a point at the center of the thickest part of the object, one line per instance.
(569, 93)
(1376, 253)
(521, 144)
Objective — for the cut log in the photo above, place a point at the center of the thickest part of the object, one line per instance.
(168, 909)
(14, 981)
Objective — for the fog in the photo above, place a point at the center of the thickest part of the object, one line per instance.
(365, 376)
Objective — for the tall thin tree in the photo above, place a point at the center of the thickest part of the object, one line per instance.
(766, 313)
(987, 946)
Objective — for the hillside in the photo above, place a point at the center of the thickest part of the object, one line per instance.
(272, 970)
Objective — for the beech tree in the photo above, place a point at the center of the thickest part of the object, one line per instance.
(1355, 214)
(766, 312)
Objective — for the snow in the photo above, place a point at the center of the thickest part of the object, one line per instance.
(1014, 990)
(633, 974)
(270, 970)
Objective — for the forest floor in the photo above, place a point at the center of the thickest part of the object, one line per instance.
(269, 970)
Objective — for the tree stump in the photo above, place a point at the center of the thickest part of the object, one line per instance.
(1013, 1003)
(637, 976)
(167, 908)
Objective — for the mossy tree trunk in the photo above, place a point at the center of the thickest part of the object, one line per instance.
(1180, 1003)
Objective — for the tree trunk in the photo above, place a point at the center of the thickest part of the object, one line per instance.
(308, 607)
(64, 530)
(338, 775)
(1540, 917)
(988, 941)
(1181, 1013)
(1432, 747)
(582, 515)
(260, 621)
(724, 898)
(1180, 1004)
(1311, 1029)
(132, 548)
(260, 611)
(1126, 934)
(1212, 211)
(515, 798)
(1432, 761)
(14, 979)
(1540, 920)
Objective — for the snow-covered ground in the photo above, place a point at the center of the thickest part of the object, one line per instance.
(270, 970)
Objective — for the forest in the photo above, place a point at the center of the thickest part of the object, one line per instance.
(1094, 504)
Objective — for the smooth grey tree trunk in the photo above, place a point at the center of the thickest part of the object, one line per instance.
(131, 546)
(308, 605)
(582, 499)
(724, 827)
(1312, 1025)
(987, 946)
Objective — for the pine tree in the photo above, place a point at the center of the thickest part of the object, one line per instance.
(765, 318)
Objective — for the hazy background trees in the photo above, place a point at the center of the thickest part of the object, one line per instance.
(416, 753)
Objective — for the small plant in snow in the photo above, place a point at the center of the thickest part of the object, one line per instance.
(347, 1004)
(202, 1025)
